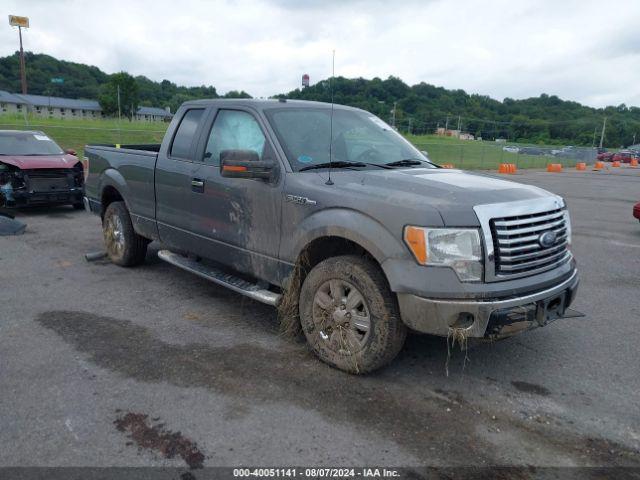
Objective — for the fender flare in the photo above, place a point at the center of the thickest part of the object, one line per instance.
(113, 178)
(350, 225)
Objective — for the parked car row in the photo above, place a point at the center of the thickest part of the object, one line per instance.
(622, 156)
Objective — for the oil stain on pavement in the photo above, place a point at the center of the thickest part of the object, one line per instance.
(426, 424)
(156, 437)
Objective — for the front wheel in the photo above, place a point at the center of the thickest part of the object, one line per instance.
(124, 246)
(349, 316)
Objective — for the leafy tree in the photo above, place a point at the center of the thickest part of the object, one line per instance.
(236, 94)
(129, 95)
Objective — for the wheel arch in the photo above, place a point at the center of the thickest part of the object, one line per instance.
(113, 188)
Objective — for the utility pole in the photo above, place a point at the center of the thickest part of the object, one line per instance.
(393, 121)
(446, 125)
(458, 123)
(593, 142)
(604, 125)
(119, 111)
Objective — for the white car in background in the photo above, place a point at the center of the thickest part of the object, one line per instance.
(511, 149)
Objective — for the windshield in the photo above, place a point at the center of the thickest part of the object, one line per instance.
(357, 137)
(27, 143)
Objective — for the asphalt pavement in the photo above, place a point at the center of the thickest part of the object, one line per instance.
(152, 366)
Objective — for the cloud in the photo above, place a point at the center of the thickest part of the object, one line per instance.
(578, 50)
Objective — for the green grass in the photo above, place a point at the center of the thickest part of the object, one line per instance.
(76, 133)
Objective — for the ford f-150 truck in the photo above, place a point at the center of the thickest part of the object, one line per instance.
(329, 210)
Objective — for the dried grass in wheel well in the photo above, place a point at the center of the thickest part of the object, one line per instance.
(317, 251)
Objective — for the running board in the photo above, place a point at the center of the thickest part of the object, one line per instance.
(216, 275)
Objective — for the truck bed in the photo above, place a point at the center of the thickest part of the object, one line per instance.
(115, 163)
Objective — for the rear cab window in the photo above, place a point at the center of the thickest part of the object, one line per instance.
(185, 133)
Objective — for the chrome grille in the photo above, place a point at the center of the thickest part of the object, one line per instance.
(517, 246)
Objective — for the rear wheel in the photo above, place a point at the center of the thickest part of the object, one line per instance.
(349, 316)
(124, 246)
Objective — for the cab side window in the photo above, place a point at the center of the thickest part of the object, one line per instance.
(181, 146)
(233, 130)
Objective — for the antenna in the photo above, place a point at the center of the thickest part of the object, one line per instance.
(333, 73)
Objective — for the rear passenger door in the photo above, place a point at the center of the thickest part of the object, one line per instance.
(174, 173)
(238, 219)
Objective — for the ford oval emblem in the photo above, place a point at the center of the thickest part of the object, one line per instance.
(547, 239)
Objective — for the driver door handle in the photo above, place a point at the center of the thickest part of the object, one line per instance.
(197, 185)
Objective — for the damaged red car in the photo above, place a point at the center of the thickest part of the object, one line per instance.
(34, 170)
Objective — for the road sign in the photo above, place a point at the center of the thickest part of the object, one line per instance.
(305, 80)
(16, 21)
(57, 80)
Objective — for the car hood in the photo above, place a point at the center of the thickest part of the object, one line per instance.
(27, 162)
(453, 193)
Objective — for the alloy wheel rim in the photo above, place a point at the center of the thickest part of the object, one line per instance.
(114, 235)
(341, 316)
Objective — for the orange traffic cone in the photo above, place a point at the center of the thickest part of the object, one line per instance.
(615, 164)
(581, 166)
(503, 168)
(554, 167)
(447, 165)
(598, 166)
(634, 162)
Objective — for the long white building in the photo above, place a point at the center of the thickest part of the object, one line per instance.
(58, 107)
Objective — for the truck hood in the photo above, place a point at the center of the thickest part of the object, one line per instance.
(453, 193)
(27, 162)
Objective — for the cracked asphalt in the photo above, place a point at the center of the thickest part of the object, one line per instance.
(84, 345)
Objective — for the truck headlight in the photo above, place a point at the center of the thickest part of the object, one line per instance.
(456, 248)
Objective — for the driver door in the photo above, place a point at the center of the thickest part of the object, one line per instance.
(238, 219)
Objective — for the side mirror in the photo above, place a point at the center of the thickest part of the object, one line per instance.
(244, 164)
(70, 151)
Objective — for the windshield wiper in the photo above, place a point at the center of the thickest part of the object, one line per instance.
(409, 162)
(336, 164)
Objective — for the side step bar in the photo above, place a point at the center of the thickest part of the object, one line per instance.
(216, 275)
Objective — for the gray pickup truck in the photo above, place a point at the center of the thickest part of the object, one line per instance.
(328, 210)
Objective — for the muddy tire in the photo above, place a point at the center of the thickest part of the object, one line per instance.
(124, 246)
(349, 316)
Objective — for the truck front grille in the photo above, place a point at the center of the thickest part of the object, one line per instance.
(518, 246)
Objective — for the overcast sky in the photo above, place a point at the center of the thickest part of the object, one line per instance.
(587, 51)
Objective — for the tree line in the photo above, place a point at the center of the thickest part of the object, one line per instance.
(415, 109)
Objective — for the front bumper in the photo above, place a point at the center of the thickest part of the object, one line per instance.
(488, 318)
(28, 199)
